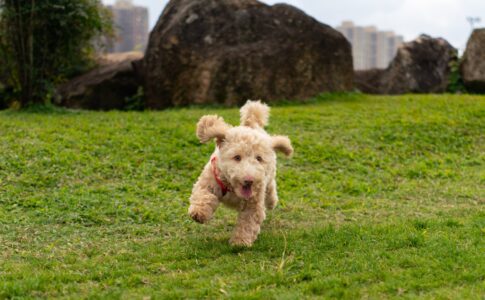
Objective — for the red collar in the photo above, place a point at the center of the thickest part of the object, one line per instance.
(221, 184)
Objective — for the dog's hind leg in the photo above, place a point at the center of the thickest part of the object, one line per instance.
(271, 198)
(248, 224)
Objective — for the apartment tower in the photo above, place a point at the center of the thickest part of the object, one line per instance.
(371, 48)
(131, 26)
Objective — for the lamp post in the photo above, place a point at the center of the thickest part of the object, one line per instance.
(473, 21)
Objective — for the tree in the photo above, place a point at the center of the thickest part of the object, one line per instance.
(17, 34)
(43, 42)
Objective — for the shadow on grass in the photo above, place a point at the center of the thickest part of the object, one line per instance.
(50, 109)
(324, 97)
(43, 109)
(349, 238)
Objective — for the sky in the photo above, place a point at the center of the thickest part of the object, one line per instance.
(410, 18)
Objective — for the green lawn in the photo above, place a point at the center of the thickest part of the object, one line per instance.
(384, 198)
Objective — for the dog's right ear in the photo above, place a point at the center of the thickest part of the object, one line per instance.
(212, 127)
(282, 144)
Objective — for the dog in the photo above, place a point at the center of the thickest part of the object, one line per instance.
(241, 172)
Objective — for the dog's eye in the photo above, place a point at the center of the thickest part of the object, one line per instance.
(259, 158)
(237, 158)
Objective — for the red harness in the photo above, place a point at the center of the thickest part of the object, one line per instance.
(221, 184)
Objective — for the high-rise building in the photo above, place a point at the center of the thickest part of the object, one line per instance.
(131, 26)
(370, 48)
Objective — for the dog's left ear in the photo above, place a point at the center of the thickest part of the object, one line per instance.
(212, 127)
(282, 144)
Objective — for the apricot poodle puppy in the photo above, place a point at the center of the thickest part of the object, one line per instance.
(241, 171)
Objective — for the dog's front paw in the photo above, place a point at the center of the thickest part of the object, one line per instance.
(240, 242)
(271, 205)
(199, 215)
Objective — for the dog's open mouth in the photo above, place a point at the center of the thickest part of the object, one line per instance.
(247, 191)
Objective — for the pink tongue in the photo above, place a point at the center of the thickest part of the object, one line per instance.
(247, 192)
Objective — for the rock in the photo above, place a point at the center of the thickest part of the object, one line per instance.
(368, 81)
(105, 87)
(473, 65)
(113, 58)
(420, 66)
(228, 51)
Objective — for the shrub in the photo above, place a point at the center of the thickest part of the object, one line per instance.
(44, 42)
(455, 84)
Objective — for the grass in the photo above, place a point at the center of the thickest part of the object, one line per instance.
(384, 198)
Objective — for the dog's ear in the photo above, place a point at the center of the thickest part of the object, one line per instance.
(282, 144)
(212, 127)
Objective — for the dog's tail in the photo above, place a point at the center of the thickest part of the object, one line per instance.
(254, 114)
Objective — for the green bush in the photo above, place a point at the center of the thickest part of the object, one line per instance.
(45, 42)
(455, 84)
(136, 102)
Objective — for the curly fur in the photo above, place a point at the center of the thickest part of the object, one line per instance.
(210, 127)
(282, 144)
(245, 161)
(254, 114)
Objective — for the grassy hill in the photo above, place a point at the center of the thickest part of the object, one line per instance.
(384, 198)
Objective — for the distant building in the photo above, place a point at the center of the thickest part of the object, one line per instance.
(370, 48)
(131, 26)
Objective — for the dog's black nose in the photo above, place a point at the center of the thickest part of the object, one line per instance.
(248, 182)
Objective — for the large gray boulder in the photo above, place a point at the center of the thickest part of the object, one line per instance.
(473, 64)
(369, 81)
(420, 66)
(228, 51)
(106, 87)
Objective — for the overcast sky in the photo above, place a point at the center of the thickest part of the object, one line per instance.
(444, 18)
